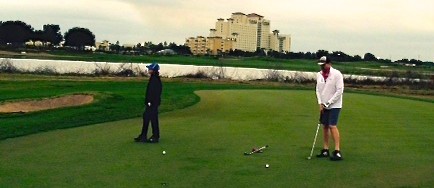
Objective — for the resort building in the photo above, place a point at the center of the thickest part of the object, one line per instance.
(104, 45)
(243, 32)
(280, 43)
(218, 45)
(198, 45)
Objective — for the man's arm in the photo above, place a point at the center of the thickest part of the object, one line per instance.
(318, 94)
(339, 90)
(152, 93)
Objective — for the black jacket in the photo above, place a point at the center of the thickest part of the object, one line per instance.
(154, 90)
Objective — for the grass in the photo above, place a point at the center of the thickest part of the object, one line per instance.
(116, 99)
(122, 98)
(386, 142)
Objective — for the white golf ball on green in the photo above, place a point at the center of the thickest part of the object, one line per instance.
(164, 152)
(267, 165)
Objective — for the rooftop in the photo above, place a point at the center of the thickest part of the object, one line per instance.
(254, 15)
(238, 13)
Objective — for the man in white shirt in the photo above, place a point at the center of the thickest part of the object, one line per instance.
(329, 90)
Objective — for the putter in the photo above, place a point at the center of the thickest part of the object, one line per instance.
(256, 150)
(314, 140)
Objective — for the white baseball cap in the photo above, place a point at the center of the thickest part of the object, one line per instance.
(323, 60)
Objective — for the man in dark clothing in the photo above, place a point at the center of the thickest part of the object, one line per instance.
(152, 102)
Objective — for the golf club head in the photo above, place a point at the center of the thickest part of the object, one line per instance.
(256, 150)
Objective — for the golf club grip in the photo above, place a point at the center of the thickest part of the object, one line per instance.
(263, 147)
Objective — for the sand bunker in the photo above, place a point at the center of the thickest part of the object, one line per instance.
(45, 104)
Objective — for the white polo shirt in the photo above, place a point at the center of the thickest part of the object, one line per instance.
(330, 90)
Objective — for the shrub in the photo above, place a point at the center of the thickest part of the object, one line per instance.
(126, 71)
(102, 70)
(6, 66)
(273, 75)
(198, 74)
(299, 78)
(45, 70)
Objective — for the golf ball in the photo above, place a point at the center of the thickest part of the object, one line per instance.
(267, 165)
(164, 152)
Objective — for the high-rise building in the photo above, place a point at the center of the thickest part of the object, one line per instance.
(218, 45)
(211, 45)
(198, 45)
(280, 43)
(247, 33)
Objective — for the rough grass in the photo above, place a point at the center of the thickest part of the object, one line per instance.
(386, 142)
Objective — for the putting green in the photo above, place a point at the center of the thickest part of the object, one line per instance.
(386, 142)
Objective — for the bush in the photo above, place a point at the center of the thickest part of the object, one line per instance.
(126, 71)
(198, 74)
(45, 70)
(102, 70)
(299, 78)
(273, 75)
(358, 81)
(6, 66)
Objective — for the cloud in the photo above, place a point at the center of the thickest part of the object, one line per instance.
(385, 28)
(104, 18)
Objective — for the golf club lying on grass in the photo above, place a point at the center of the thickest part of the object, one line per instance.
(256, 150)
(314, 140)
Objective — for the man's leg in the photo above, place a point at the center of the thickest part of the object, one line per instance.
(155, 123)
(336, 156)
(334, 116)
(336, 138)
(146, 121)
(326, 133)
(153, 113)
(335, 134)
(143, 134)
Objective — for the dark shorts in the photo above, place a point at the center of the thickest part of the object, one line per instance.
(330, 117)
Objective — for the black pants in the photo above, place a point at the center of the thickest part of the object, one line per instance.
(151, 116)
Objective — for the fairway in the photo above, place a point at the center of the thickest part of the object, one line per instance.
(385, 141)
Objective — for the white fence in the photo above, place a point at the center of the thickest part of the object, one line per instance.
(167, 70)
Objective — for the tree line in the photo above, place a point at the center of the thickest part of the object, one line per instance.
(147, 48)
(15, 34)
(337, 56)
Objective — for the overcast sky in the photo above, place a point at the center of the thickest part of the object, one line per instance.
(392, 29)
